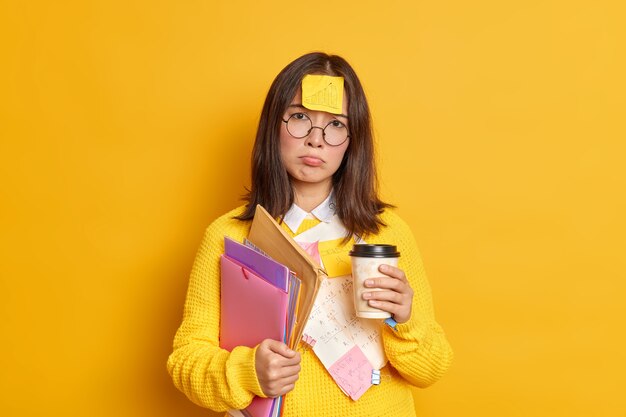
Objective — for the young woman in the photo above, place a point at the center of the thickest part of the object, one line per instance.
(313, 166)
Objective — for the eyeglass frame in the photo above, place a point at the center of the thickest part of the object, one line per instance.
(315, 127)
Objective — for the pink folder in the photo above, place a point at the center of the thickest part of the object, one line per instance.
(252, 310)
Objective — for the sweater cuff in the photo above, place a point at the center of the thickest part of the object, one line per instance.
(241, 369)
(413, 329)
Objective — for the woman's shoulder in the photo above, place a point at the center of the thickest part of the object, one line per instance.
(228, 225)
(394, 226)
(230, 215)
(392, 219)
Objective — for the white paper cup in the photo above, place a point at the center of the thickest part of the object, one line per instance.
(366, 258)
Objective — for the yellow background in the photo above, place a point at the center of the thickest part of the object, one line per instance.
(126, 127)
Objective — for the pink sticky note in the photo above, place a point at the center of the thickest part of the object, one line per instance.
(353, 373)
(312, 249)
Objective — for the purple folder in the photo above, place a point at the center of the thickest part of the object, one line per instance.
(267, 268)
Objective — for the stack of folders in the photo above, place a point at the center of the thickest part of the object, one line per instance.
(263, 297)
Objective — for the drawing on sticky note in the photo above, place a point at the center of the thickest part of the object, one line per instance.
(325, 97)
(323, 93)
(353, 373)
(336, 265)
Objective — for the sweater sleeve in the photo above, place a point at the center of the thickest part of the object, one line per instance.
(417, 349)
(208, 375)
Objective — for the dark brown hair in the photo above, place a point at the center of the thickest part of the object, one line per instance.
(355, 183)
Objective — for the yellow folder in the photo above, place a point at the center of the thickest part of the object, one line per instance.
(268, 236)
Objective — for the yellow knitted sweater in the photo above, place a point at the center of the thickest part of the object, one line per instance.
(417, 350)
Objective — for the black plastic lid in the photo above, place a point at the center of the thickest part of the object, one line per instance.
(374, 251)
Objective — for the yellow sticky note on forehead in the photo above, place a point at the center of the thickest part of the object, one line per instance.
(323, 93)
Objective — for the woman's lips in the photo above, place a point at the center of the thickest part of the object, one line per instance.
(311, 161)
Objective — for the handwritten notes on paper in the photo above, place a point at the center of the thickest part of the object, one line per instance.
(353, 373)
(349, 347)
(334, 326)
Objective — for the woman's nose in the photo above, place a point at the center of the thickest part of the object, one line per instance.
(315, 138)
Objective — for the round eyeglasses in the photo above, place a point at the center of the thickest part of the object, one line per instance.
(299, 125)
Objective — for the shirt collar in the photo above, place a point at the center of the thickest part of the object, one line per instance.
(324, 212)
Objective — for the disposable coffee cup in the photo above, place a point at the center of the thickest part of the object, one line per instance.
(366, 258)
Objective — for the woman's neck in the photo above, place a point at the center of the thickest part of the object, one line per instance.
(307, 196)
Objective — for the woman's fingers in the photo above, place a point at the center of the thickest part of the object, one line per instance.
(387, 306)
(279, 348)
(290, 371)
(393, 271)
(277, 367)
(391, 296)
(385, 283)
(391, 293)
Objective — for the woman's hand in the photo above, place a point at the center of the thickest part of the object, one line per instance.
(396, 296)
(277, 367)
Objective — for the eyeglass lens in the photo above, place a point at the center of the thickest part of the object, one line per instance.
(299, 125)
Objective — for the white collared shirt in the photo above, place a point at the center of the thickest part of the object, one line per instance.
(324, 212)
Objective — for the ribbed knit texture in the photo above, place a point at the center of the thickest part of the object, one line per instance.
(418, 351)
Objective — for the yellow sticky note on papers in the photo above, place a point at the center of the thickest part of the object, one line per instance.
(322, 93)
(335, 257)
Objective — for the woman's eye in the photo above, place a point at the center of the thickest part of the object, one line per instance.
(337, 123)
(299, 116)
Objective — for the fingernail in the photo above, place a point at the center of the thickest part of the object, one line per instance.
(382, 268)
(368, 282)
(367, 295)
(373, 302)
